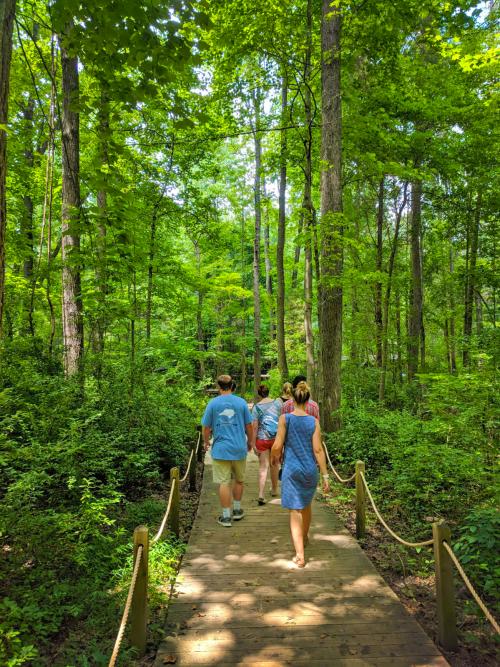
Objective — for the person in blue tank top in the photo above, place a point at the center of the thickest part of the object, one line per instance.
(298, 446)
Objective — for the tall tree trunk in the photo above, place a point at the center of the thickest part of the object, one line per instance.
(243, 350)
(267, 264)
(70, 245)
(200, 337)
(451, 300)
(470, 285)
(331, 215)
(387, 299)
(27, 216)
(280, 246)
(296, 257)
(309, 214)
(399, 346)
(256, 242)
(415, 318)
(7, 12)
(102, 222)
(378, 284)
(151, 259)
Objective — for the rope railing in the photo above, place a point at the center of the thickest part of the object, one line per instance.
(166, 515)
(444, 559)
(425, 543)
(342, 480)
(471, 588)
(126, 611)
(194, 452)
(141, 551)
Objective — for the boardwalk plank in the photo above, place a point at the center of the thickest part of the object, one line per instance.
(239, 601)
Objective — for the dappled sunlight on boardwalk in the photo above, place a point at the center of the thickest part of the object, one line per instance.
(239, 601)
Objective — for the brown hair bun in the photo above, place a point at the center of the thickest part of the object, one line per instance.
(301, 393)
(263, 391)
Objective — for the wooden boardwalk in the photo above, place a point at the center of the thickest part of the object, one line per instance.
(239, 602)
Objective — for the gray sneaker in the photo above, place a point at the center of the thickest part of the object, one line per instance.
(238, 514)
(225, 521)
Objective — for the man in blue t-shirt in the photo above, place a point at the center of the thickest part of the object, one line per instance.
(228, 419)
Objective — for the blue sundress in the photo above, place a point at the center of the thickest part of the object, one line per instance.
(299, 477)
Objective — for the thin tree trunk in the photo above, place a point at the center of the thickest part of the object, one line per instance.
(70, 244)
(243, 351)
(151, 259)
(453, 354)
(446, 332)
(256, 243)
(296, 257)
(399, 347)
(102, 223)
(27, 217)
(267, 264)
(7, 13)
(26, 226)
(200, 337)
(378, 284)
(331, 215)
(280, 246)
(415, 319)
(387, 299)
(473, 234)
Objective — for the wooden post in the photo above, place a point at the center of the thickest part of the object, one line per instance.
(139, 608)
(192, 469)
(360, 500)
(445, 593)
(174, 512)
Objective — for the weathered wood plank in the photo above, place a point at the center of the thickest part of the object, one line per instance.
(239, 601)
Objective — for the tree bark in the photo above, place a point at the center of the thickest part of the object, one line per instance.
(378, 284)
(309, 214)
(256, 242)
(70, 245)
(331, 215)
(387, 299)
(280, 246)
(470, 285)
(415, 318)
(7, 13)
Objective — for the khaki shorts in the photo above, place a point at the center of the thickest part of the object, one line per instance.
(224, 471)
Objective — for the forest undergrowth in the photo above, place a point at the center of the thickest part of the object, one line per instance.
(78, 473)
(426, 461)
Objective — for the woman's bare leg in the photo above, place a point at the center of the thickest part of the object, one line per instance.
(274, 478)
(306, 522)
(263, 468)
(296, 528)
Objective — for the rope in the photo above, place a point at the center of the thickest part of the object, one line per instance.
(165, 516)
(476, 597)
(126, 611)
(193, 452)
(183, 479)
(391, 532)
(341, 479)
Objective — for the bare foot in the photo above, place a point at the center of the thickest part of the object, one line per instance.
(299, 562)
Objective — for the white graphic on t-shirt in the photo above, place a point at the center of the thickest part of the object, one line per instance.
(227, 413)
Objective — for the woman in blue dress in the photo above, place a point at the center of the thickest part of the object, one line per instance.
(298, 445)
